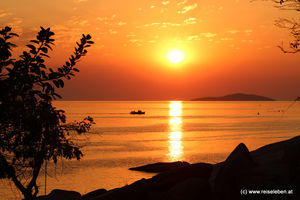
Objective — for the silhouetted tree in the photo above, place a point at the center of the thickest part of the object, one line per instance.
(31, 129)
(292, 25)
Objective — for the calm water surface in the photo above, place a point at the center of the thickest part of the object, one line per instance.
(169, 131)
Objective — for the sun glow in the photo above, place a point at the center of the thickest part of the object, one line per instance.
(175, 56)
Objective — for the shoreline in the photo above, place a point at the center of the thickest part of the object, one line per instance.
(273, 167)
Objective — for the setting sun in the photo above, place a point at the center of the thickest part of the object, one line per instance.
(175, 56)
(167, 87)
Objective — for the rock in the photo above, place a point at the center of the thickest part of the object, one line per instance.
(61, 195)
(192, 188)
(93, 194)
(278, 167)
(284, 151)
(241, 151)
(278, 164)
(227, 177)
(134, 191)
(168, 179)
(160, 166)
(274, 166)
(158, 186)
(189, 189)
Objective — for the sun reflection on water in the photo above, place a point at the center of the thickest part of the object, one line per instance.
(175, 135)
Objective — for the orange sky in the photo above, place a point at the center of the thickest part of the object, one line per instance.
(229, 46)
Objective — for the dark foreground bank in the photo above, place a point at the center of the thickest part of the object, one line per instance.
(270, 172)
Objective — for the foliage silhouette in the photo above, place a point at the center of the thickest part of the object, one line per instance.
(292, 25)
(32, 131)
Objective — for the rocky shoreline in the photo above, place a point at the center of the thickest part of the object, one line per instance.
(270, 172)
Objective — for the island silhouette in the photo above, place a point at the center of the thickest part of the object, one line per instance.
(235, 97)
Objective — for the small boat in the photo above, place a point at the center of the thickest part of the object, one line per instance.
(139, 112)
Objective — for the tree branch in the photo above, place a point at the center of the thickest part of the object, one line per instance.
(10, 171)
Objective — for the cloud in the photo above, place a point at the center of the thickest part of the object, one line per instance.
(17, 24)
(152, 41)
(111, 21)
(208, 34)
(165, 24)
(233, 31)
(193, 37)
(181, 3)
(226, 39)
(83, 22)
(101, 46)
(188, 8)
(133, 40)
(105, 20)
(101, 18)
(17, 20)
(161, 24)
(76, 20)
(152, 24)
(165, 2)
(247, 31)
(80, 1)
(244, 41)
(190, 20)
(131, 35)
(3, 14)
(121, 23)
(112, 31)
(66, 34)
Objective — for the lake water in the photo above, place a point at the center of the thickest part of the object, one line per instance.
(169, 131)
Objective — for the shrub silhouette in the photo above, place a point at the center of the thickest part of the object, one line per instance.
(32, 131)
(292, 25)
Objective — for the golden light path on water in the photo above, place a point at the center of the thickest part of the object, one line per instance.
(175, 135)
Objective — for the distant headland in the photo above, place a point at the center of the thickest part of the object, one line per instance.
(236, 97)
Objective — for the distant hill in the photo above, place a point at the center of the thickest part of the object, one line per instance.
(236, 97)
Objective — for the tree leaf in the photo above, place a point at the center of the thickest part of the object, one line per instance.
(56, 83)
(31, 47)
(13, 34)
(44, 49)
(61, 83)
(88, 37)
(42, 54)
(47, 45)
(34, 41)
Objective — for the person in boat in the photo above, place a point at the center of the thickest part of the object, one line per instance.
(137, 112)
